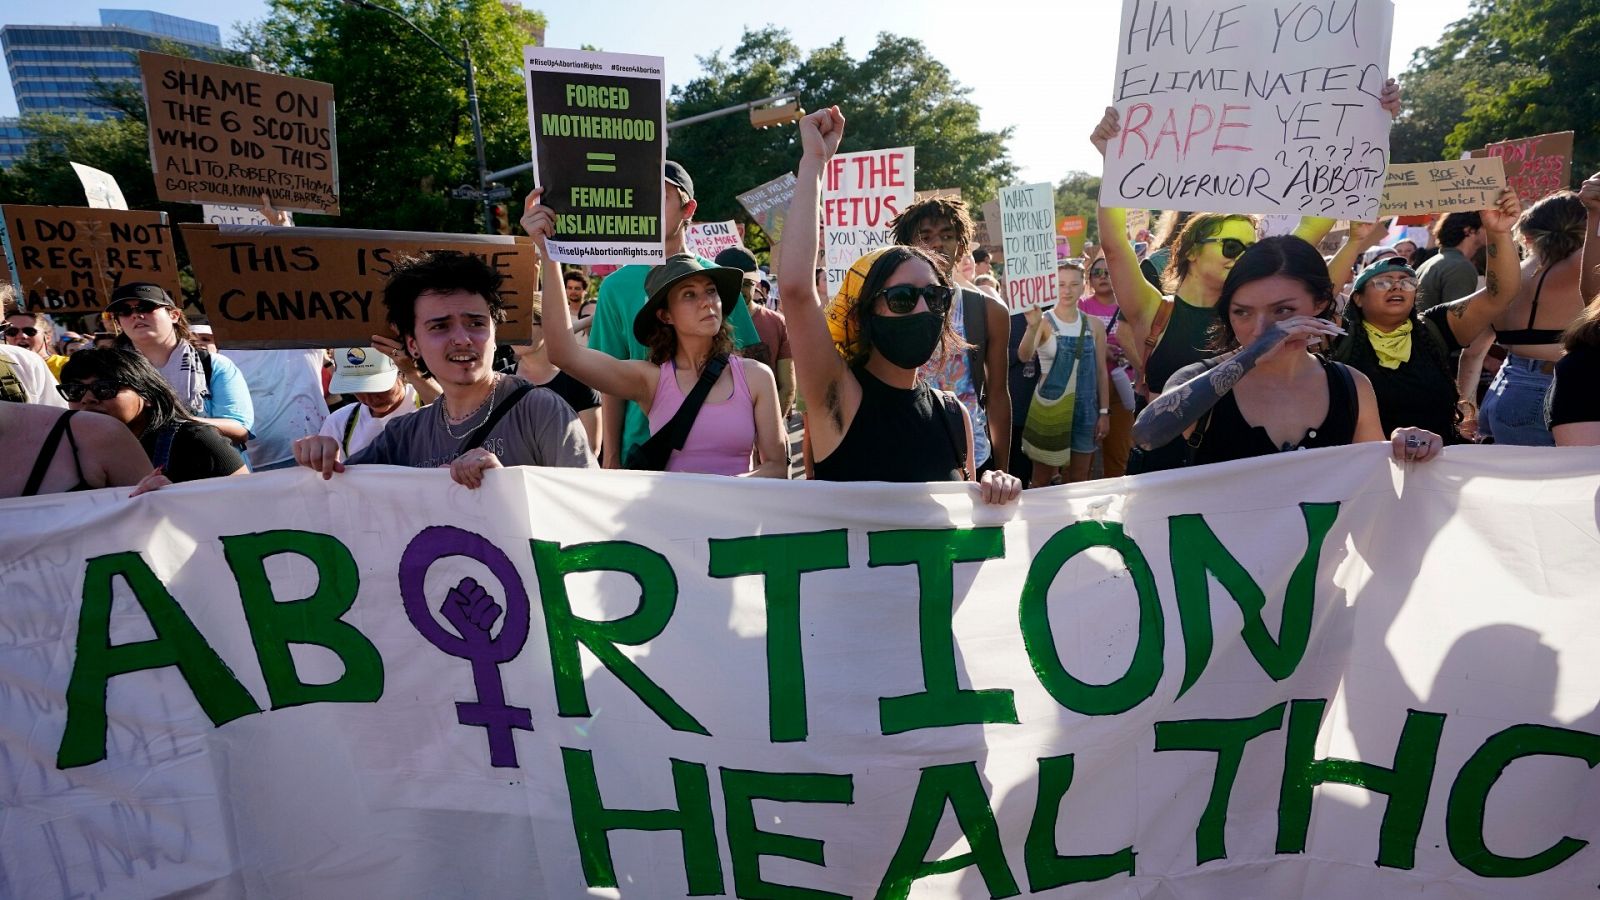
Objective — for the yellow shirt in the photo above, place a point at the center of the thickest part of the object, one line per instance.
(56, 363)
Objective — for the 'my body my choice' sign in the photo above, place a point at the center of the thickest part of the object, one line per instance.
(1255, 106)
(1314, 675)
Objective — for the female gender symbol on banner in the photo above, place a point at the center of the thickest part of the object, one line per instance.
(472, 611)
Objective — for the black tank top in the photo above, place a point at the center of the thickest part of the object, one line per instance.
(897, 435)
(47, 452)
(1228, 436)
(1186, 341)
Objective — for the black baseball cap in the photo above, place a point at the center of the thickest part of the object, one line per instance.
(737, 258)
(141, 290)
(676, 174)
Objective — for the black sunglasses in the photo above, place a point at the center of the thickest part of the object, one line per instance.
(142, 307)
(902, 298)
(73, 391)
(1232, 248)
(13, 331)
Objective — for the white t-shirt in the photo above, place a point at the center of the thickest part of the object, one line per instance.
(286, 389)
(367, 428)
(31, 370)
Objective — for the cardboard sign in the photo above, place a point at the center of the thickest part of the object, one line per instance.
(1441, 187)
(707, 239)
(1138, 223)
(69, 259)
(769, 204)
(861, 193)
(100, 188)
(222, 134)
(598, 127)
(268, 287)
(1074, 229)
(1027, 219)
(1535, 167)
(236, 215)
(1255, 106)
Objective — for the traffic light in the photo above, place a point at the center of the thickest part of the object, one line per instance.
(768, 116)
(502, 222)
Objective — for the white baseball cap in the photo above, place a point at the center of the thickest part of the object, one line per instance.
(362, 370)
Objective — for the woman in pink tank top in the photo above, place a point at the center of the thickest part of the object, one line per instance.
(684, 324)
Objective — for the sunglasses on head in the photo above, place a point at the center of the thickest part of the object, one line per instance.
(13, 331)
(1232, 248)
(73, 391)
(142, 307)
(902, 298)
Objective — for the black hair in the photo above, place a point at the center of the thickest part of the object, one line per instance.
(129, 367)
(439, 271)
(878, 278)
(980, 255)
(1451, 229)
(951, 209)
(1286, 255)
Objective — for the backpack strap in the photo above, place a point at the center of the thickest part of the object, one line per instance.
(975, 313)
(205, 363)
(476, 439)
(955, 430)
(1158, 327)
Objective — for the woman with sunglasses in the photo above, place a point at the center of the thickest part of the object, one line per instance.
(1267, 392)
(685, 326)
(123, 385)
(208, 385)
(1407, 354)
(869, 416)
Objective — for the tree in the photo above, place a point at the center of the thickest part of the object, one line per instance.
(897, 96)
(1078, 194)
(1535, 73)
(404, 132)
(1436, 101)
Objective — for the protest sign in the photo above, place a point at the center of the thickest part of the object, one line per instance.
(67, 259)
(224, 134)
(236, 215)
(707, 239)
(387, 685)
(1277, 224)
(100, 188)
(1535, 167)
(1075, 230)
(1441, 187)
(1258, 106)
(769, 204)
(861, 193)
(269, 287)
(1027, 214)
(597, 122)
(1138, 223)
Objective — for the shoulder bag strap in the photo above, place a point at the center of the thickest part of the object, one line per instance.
(1158, 327)
(672, 435)
(975, 313)
(476, 439)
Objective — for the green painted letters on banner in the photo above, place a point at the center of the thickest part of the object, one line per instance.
(1469, 797)
(747, 843)
(959, 786)
(1226, 738)
(1046, 868)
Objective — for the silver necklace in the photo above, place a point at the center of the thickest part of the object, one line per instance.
(484, 407)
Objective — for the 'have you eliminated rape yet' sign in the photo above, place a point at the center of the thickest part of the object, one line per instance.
(1316, 675)
(598, 124)
(1254, 106)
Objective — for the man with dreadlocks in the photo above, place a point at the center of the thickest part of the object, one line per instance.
(942, 227)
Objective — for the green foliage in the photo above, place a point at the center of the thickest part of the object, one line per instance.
(1078, 194)
(897, 96)
(404, 130)
(1516, 68)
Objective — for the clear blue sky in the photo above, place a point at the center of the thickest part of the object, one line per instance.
(1043, 67)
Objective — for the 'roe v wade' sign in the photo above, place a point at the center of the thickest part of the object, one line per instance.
(1256, 106)
(1315, 675)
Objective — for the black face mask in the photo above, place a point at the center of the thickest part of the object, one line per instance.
(907, 341)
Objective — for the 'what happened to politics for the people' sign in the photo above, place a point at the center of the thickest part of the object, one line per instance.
(598, 126)
(1310, 675)
(225, 134)
(1027, 232)
(1255, 106)
(1441, 187)
(68, 259)
(861, 193)
(270, 287)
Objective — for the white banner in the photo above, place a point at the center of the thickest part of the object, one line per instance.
(1315, 675)
(1256, 106)
(1028, 236)
(861, 193)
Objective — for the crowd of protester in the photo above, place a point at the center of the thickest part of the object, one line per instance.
(1204, 342)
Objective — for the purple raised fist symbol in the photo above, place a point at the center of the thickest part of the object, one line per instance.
(473, 612)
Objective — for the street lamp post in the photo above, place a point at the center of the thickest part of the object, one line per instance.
(482, 194)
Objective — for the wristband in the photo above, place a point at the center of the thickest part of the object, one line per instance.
(1104, 411)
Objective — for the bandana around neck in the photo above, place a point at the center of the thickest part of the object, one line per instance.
(1394, 348)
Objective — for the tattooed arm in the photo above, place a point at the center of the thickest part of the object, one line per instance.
(1196, 388)
(1471, 316)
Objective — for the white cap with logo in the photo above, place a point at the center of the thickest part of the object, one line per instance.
(362, 370)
